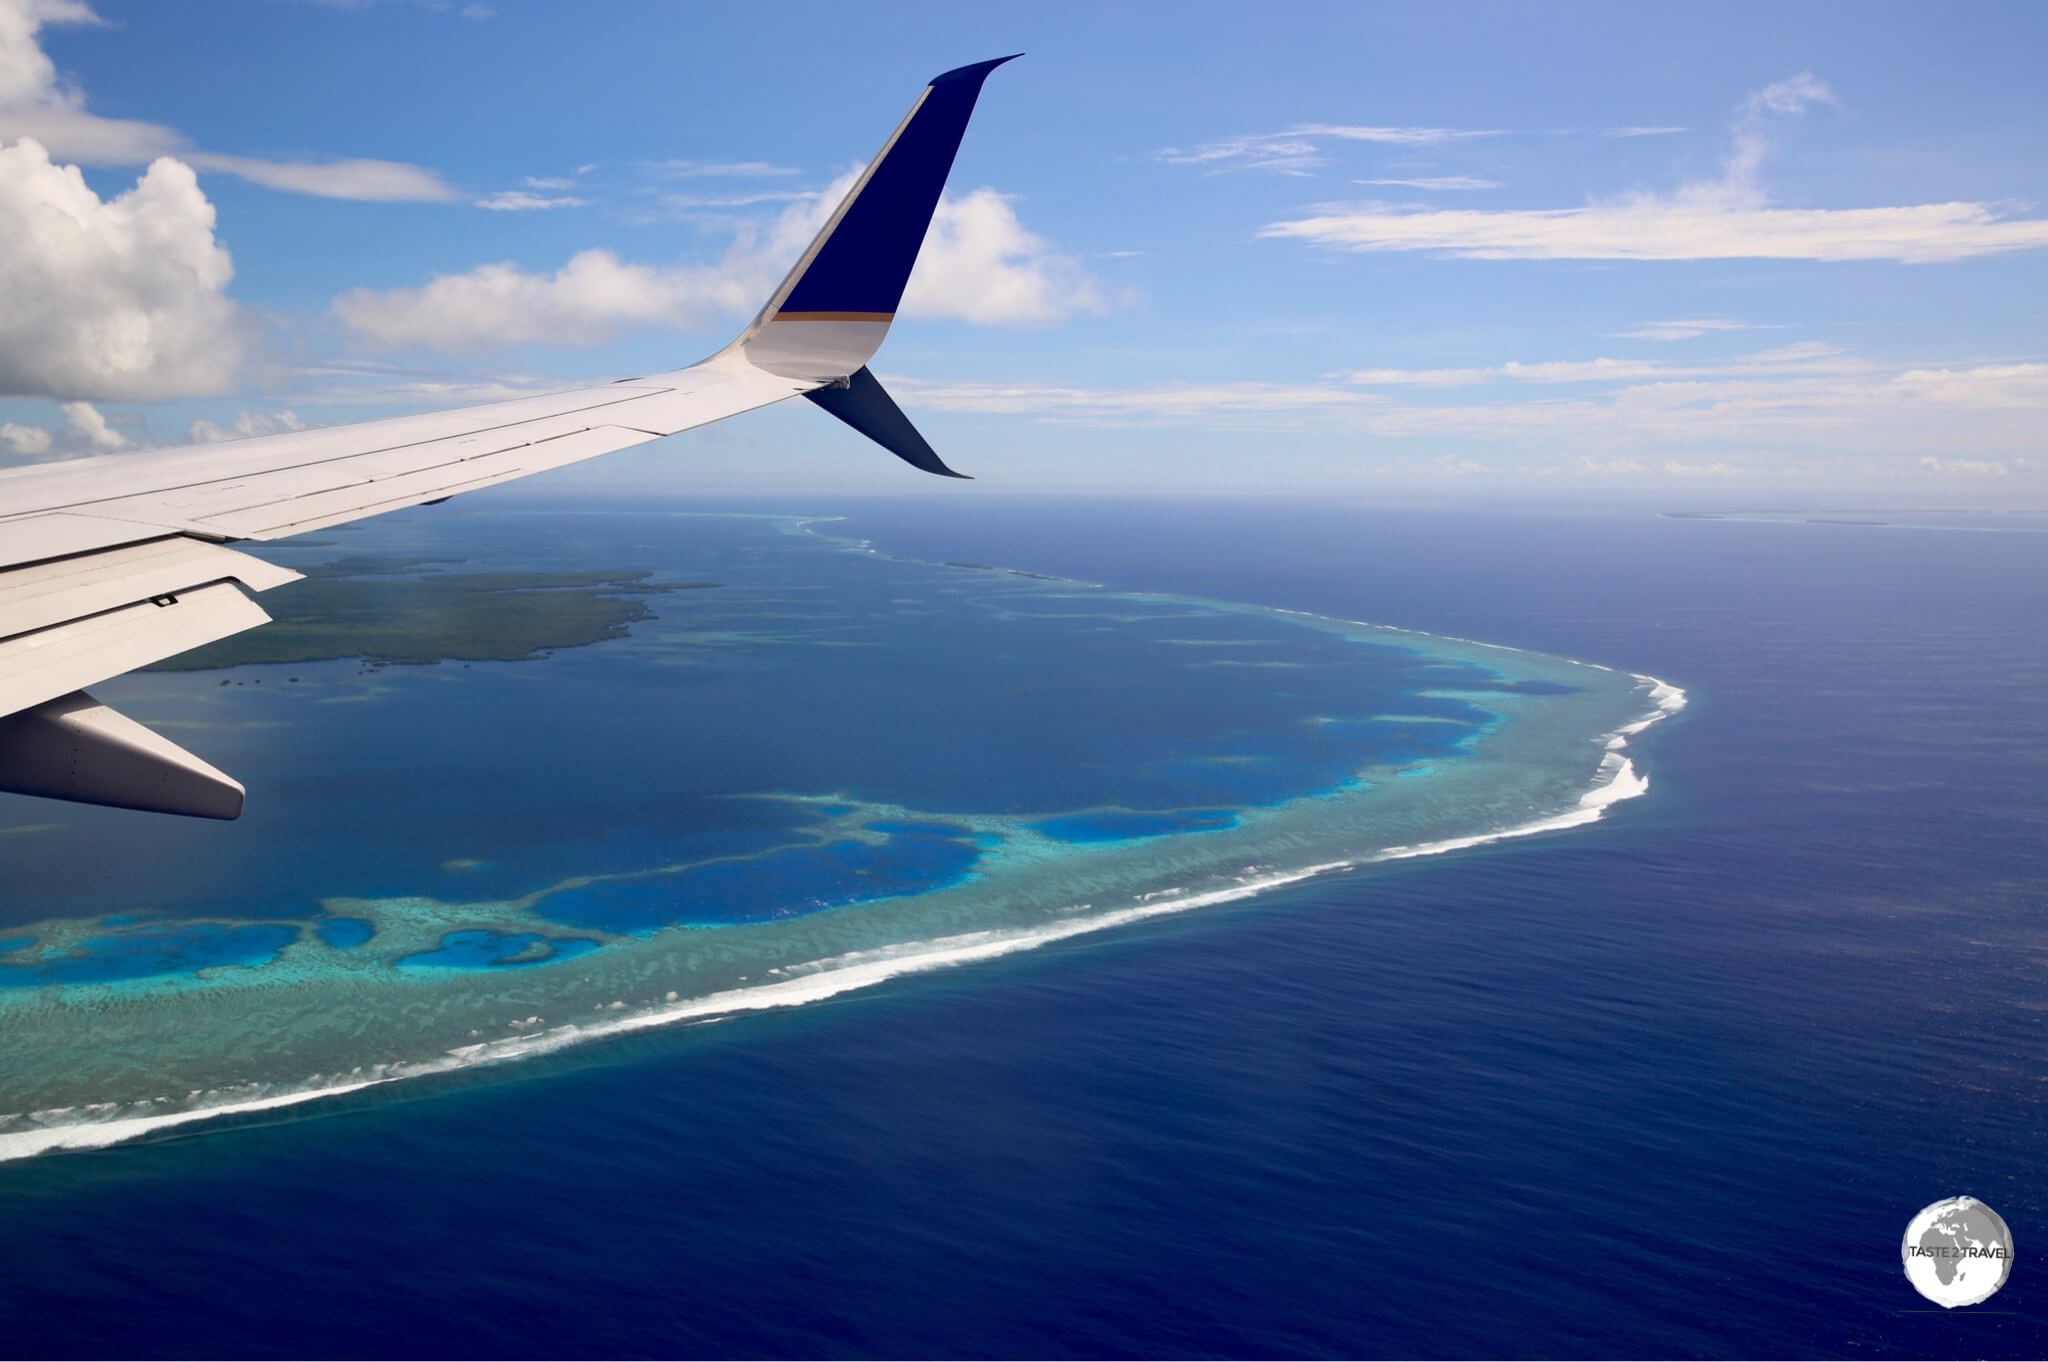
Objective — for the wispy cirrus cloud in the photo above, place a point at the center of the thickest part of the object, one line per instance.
(1688, 328)
(1807, 406)
(1300, 149)
(1237, 404)
(741, 199)
(719, 170)
(36, 104)
(1725, 218)
(526, 201)
(1438, 182)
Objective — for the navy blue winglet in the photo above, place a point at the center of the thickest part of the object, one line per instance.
(866, 406)
(864, 263)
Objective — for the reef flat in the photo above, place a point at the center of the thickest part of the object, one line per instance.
(840, 767)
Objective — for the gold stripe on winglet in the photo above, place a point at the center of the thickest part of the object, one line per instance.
(834, 316)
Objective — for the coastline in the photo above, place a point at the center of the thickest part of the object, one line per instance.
(1614, 779)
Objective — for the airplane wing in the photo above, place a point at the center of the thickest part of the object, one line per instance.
(112, 563)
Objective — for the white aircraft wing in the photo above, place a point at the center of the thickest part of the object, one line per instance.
(112, 563)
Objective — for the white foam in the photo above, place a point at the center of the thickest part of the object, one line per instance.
(1616, 780)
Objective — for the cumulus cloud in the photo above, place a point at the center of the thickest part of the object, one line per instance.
(33, 441)
(84, 421)
(85, 431)
(1728, 217)
(588, 300)
(979, 264)
(246, 423)
(117, 298)
(35, 103)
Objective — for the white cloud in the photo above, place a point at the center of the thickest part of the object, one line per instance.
(85, 431)
(118, 298)
(1661, 230)
(1720, 219)
(354, 178)
(246, 424)
(1640, 130)
(1439, 182)
(1684, 329)
(1298, 150)
(522, 201)
(35, 103)
(1159, 404)
(979, 264)
(90, 428)
(1806, 357)
(588, 300)
(1546, 371)
(33, 441)
(710, 170)
(548, 182)
(1797, 410)
(742, 199)
(1976, 468)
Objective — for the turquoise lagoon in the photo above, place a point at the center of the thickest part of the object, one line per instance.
(837, 766)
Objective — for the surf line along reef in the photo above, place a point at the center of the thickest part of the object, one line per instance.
(741, 804)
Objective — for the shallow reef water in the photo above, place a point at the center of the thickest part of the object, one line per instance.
(840, 766)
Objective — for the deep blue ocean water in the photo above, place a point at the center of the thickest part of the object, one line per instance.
(1669, 1084)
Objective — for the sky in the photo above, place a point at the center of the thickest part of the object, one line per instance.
(1742, 255)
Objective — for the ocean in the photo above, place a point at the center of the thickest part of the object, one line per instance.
(1668, 1082)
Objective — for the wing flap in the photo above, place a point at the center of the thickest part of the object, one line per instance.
(51, 662)
(32, 539)
(48, 594)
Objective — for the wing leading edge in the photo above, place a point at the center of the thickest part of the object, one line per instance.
(112, 563)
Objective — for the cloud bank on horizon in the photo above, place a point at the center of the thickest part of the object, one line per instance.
(1544, 291)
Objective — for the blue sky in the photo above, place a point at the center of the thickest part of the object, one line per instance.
(1736, 255)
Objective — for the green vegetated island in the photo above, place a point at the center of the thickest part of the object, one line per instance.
(397, 609)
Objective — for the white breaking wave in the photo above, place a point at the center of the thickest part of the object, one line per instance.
(1615, 780)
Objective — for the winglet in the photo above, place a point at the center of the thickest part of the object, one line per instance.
(866, 405)
(829, 315)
